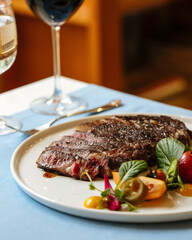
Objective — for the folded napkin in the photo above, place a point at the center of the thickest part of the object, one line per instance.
(24, 218)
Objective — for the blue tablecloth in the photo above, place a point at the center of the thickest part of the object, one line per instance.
(23, 218)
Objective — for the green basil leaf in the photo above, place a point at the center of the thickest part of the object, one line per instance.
(179, 180)
(131, 169)
(172, 172)
(119, 194)
(166, 150)
(105, 193)
(187, 148)
(172, 186)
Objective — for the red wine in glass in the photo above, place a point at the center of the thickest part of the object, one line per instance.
(55, 13)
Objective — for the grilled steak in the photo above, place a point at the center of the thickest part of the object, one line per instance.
(103, 145)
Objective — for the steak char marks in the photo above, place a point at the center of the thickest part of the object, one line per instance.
(103, 145)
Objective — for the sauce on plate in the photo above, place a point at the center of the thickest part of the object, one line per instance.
(49, 175)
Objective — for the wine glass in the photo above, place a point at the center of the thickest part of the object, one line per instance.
(55, 13)
(8, 51)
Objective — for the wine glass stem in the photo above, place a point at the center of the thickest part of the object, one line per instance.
(56, 59)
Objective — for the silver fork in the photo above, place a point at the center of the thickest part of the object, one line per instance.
(112, 104)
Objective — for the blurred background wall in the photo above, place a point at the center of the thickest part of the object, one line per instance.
(140, 47)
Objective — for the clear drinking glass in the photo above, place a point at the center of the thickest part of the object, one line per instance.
(8, 51)
(55, 13)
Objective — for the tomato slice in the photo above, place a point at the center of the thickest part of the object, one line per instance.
(156, 188)
(186, 190)
(134, 191)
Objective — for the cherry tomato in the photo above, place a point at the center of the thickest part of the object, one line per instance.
(134, 190)
(185, 167)
(186, 190)
(95, 202)
(161, 175)
(158, 174)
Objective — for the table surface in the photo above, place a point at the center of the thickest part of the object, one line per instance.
(24, 218)
(20, 98)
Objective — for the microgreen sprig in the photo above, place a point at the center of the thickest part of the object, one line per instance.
(91, 185)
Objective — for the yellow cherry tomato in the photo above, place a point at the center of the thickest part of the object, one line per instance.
(186, 190)
(95, 202)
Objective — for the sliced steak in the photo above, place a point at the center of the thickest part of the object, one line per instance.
(80, 143)
(135, 129)
(67, 164)
(70, 142)
(63, 160)
(103, 145)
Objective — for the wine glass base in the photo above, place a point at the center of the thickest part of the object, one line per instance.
(58, 105)
(10, 121)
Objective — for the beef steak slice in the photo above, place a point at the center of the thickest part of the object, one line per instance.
(101, 146)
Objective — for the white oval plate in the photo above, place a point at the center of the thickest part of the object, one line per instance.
(68, 195)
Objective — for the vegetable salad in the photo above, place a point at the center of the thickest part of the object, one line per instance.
(173, 171)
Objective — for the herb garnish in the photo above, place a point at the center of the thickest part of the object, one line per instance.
(114, 197)
(168, 152)
(131, 169)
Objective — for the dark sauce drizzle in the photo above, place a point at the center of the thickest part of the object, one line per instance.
(49, 175)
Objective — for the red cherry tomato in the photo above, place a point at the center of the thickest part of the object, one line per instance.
(161, 175)
(158, 174)
(185, 167)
